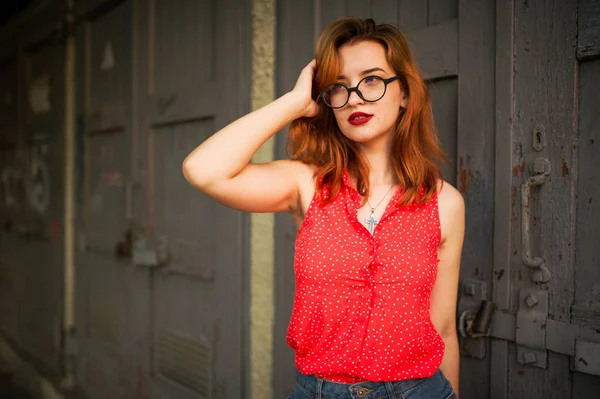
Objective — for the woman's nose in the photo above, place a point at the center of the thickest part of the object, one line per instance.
(354, 98)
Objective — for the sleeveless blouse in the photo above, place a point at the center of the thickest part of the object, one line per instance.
(361, 308)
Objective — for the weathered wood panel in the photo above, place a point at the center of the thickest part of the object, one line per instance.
(499, 356)
(385, 12)
(412, 15)
(587, 253)
(588, 35)
(545, 43)
(475, 159)
(294, 51)
(436, 49)
(441, 10)
(444, 100)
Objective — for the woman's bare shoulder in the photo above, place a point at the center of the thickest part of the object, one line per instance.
(450, 202)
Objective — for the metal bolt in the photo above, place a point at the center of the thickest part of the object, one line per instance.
(469, 289)
(531, 300)
(529, 357)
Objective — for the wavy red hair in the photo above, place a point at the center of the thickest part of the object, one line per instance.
(416, 152)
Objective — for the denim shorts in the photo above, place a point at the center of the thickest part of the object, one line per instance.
(434, 387)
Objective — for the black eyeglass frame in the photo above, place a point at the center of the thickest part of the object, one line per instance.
(355, 88)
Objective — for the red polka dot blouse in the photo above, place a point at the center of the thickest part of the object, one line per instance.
(361, 309)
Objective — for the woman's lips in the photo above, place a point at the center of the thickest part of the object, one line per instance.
(359, 118)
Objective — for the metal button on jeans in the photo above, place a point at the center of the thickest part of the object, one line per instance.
(361, 392)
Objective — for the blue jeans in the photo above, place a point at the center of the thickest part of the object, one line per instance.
(434, 387)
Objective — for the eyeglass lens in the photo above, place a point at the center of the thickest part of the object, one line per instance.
(371, 88)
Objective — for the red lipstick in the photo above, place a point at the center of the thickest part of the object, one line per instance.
(359, 118)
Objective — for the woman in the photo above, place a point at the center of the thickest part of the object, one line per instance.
(380, 234)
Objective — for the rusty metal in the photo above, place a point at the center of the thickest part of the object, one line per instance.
(540, 272)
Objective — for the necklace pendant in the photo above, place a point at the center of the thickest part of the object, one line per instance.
(371, 221)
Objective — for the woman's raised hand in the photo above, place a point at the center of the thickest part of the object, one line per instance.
(303, 91)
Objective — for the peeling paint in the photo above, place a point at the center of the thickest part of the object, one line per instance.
(565, 169)
(500, 274)
(518, 170)
(464, 170)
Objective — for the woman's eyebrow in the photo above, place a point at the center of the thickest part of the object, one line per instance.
(365, 72)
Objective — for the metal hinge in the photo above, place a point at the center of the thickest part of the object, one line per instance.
(534, 333)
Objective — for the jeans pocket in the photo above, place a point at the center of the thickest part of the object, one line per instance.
(302, 393)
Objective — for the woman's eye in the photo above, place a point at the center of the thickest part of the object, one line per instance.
(372, 79)
(338, 88)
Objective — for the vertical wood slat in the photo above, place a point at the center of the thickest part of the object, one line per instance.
(475, 155)
(441, 10)
(385, 12)
(412, 15)
(499, 356)
(330, 10)
(294, 49)
(588, 35)
(544, 86)
(587, 272)
(359, 8)
(444, 99)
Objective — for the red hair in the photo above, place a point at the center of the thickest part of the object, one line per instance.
(416, 152)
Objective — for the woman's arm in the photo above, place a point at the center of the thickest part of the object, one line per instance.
(445, 291)
(220, 166)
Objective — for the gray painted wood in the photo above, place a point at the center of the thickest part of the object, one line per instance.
(103, 285)
(545, 31)
(499, 350)
(294, 51)
(385, 12)
(358, 8)
(212, 50)
(441, 10)
(585, 316)
(444, 99)
(588, 35)
(327, 11)
(412, 15)
(587, 253)
(436, 49)
(475, 160)
(190, 74)
(585, 386)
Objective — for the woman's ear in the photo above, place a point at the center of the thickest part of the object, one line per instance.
(404, 102)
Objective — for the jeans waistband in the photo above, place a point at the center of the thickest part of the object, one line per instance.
(365, 389)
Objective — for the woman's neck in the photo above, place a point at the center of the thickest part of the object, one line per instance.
(379, 159)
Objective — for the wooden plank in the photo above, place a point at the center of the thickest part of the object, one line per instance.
(328, 11)
(358, 8)
(412, 15)
(295, 48)
(586, 316)
(436, 49)
(587, 272)
(546, 69)
(499, 358)
(186, 103)
(585, 386)
(385, 12)
(444, 100)
(475, 157)
(588, 36)
(441, 10)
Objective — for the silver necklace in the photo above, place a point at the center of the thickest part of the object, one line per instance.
(371, 221)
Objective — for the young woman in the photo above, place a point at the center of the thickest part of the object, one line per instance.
(379, 232)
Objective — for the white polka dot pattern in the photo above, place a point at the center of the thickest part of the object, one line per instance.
(361, 309)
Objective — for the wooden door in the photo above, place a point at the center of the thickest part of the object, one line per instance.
(194, 71)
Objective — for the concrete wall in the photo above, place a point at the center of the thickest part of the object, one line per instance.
(262, 230)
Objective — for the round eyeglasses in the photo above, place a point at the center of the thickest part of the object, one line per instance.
(370, 89)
